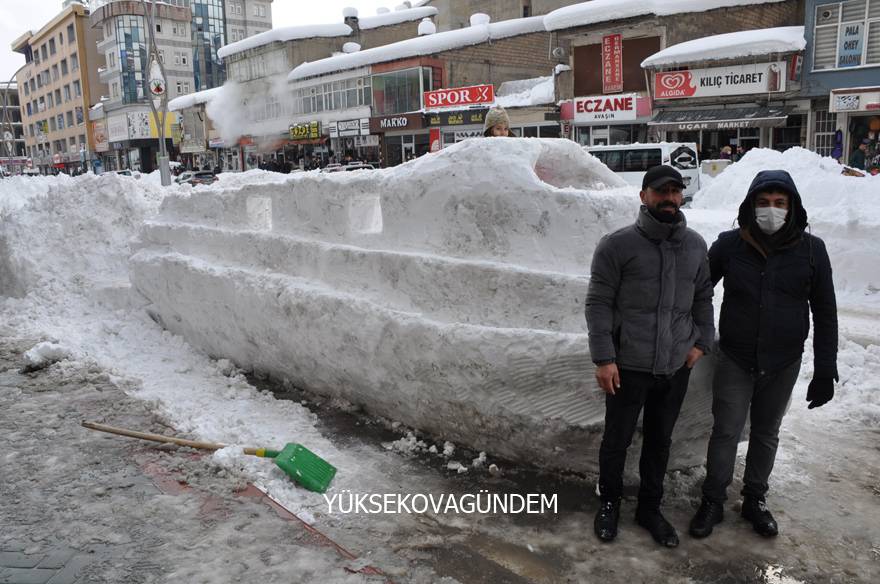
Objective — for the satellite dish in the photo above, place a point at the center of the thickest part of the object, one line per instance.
(558, 52)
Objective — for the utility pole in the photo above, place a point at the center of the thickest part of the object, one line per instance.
(161, 96)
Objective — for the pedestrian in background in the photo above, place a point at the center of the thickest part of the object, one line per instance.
(497, 123)
(650, 318)
(774, 275)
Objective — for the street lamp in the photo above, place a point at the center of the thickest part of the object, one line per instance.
(157, 87)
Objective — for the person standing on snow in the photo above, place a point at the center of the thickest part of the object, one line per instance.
(859, 157)
(774, 274)
(497, 124)
(650, 318)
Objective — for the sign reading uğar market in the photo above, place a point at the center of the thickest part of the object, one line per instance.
(309, 131)
(716, 81)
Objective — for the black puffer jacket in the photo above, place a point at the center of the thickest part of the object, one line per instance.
(770, 284)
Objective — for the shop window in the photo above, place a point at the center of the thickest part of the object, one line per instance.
(397, 92)
(846, 34)
(790, 135)
(550, 131)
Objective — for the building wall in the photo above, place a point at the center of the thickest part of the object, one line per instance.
(508, 59)
(453, 14)
(246, 18)
(86, 74)
(820, 83)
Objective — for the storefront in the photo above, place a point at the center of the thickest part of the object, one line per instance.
(858, 111)
(457, 125)
(606, 120)
(351, 140)
(718, 113)
(306, 146)
(403, 137)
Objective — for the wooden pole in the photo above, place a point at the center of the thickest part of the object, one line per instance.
(161, 438)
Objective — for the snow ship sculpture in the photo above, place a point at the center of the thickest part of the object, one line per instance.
(447, 293)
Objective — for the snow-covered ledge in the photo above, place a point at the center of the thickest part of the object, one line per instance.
(446, 293)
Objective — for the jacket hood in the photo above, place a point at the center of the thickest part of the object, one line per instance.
(773, 180)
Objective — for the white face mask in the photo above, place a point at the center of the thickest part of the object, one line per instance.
(770, 219)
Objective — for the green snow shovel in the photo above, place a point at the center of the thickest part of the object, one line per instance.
(298, 462)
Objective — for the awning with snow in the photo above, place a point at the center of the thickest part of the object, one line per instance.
(720, 119)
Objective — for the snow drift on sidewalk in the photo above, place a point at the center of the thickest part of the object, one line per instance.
(446, 293)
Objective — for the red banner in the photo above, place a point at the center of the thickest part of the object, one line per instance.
(612, 63)
(460, 96)
(673, 84)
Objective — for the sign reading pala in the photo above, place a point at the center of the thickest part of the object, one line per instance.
(715, 81)
(605, 108)
(460, 96)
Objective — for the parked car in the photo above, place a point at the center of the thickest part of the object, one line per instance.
(358, 166)
(333, 167)
(631, 161)
(198, 177)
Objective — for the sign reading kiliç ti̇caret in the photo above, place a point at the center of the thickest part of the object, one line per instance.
(460, 96)
(309, 131)
(717, 81)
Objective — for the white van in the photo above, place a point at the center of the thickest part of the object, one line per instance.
(631, 161)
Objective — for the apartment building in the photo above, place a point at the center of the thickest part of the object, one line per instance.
(246, 18)
(55, 90)
(12, 152)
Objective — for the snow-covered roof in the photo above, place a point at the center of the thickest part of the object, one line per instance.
(287, 33)
(191, 99)
(396, 17)
(604, 10)
(732, 45)
(525, 92)
(424, 45)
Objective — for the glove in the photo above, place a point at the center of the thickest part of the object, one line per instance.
(820, 391)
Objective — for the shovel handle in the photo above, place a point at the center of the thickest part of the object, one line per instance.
(153, 437)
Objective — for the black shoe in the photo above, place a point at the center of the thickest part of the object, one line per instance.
(661, 530)
(754, 509)
(708, 516)
(605, 524)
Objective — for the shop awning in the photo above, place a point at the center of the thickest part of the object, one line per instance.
(720, 119)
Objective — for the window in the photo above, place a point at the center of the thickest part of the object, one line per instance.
(51, 46)
(71, 142)
(158, 28)
(183, 59)
(64, 70)
(69, 119)
(33, 85)
(74, 62)
(60, 38)
(27, 90)
(82, 140)
(527, 9)
(641, 160)
(180, 88)
(52, 126)
(78, 113)
(824, 127)
(847, 34)
(28, 108)
(162, 56)
(66, 93)
(43, 52)
(186, 87)
(55, 75)
(177, 58)
(58, 96)
(70, 35)
(77, 90)
(49, 102)
(397, 92)
(111, 59)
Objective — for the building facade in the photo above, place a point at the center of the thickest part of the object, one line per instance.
(55, 90)
(13, 159)
(842, 77)
(245, 18)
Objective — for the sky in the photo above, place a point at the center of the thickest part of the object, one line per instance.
(14, 21)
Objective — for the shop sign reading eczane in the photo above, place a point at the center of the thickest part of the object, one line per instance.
(460, 96)
(604, 108)
(716, 81)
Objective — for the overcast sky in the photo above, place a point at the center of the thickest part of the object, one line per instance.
(17, 17)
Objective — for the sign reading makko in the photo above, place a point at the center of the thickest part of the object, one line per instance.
(716, 81)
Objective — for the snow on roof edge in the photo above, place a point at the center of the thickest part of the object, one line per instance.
(424, 45)
(191, 99)
(287, 33)
(396, 17)
(732, 45)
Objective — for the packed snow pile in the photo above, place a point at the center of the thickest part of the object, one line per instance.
(61, 232)
(44, 354)
(843, 210)
(446, 293)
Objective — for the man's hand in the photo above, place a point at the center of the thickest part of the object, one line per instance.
(820, 391)
(694, 355)
(608, 377)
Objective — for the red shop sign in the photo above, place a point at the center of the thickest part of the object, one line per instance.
(612, 63)
(459, 96)
(673, 84)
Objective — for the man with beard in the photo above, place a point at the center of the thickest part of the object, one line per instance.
(650, 319)
(774, 275)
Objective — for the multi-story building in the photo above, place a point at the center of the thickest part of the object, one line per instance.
(12, 147)
(245, 18)
(125, 127)
(55, 90)
(208, 35)
(842, 77)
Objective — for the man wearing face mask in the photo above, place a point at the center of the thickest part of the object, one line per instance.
(649, 312)
(774, 275)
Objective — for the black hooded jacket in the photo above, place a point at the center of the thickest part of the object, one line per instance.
(770, 284)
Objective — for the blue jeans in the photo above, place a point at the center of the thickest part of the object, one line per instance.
(734, 390)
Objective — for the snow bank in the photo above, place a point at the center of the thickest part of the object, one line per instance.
(843, 210)
(446, 293)
(746, 43)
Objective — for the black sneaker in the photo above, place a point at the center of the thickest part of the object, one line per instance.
(660, 529)
(708, 516)
(754, 509)
(605, 524)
